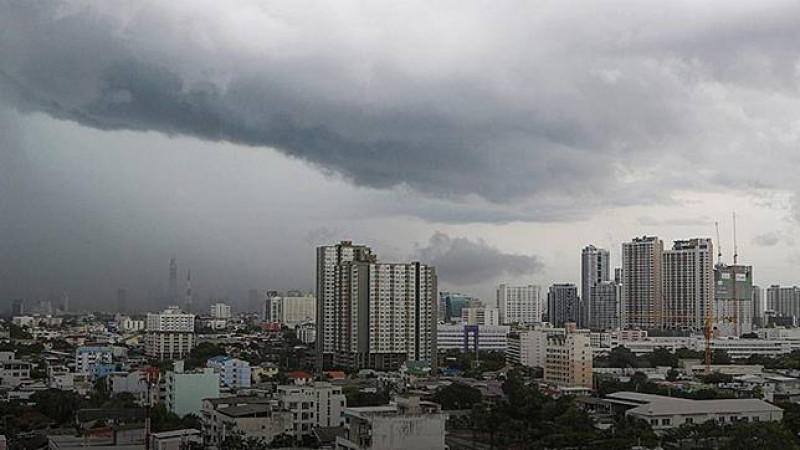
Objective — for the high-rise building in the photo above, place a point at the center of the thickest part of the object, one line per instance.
(292, 308)
(170, 334)
(733, 309)
(450, 306)
(188, 297)
(519, 304)
(220, 310)
(172, 293)
(563, 304)
(595, 269)
(758, 307)
(122, 300)
(605, 306)
(65, 302)
(479, 314)
(329, 258)
(642, 287)
(688, 284)
(385, 314)
(784, 301)
(17, 307)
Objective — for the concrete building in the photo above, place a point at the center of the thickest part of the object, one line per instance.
(733, 296)
(569, 360)
(292, 308)
(233, 373)
(664, 413)
(385, 314)
(185, 391)
(479, 314)
(519, 304)
(170, 334)
(313, 405)
(175, 440)
(595, 269)
(759, 307)
(605, 306)
(329, 258)
(784, 301)
(14, 372)
(688, 285)
(642, 300)
(91, 359)
(469, 338)
(220, 310)
(450, 306)
(563, 304)
(407, 424)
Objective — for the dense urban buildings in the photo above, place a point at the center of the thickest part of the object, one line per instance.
(642, 299)
(519, 304)
(451, 304)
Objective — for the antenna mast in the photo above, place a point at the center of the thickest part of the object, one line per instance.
(735, 245)
(719, 245)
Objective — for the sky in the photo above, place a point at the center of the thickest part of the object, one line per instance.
(491, 141)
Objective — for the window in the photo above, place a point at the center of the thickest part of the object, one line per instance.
(665, 422)
(689, 420)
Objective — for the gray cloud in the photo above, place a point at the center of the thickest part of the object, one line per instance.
(463, 261)
(767, 239)
(509, 113)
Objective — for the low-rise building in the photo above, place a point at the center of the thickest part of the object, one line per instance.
(175, 440)
(468, 338)
(313, 405)
(185, 391)
(407, 424)
(92, 359)
(233, 373)
(569, 360)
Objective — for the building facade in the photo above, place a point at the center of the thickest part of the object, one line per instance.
(642, 301)
(233, 373)
(569, 360)
(185, 391)
(595, 269)
(606, 306)
(519, 304)
(471, 338)
(563, 304)
(688, 285)
(170, 334)
(733, 297)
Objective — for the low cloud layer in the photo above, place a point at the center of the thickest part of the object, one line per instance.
(454, 100)
(464, 261)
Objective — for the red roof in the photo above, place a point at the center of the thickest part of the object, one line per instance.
(335, 374)
(299, 374)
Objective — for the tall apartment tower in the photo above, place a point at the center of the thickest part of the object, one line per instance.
(384, 314)
(169, 334)
(733, 308)
(641, 282)
(595, 269)
(519, 304)
(688, 280)
(784, 301)
(605, 306)
(758, 307)
(172, 294)
(329, 258)
(563, 304)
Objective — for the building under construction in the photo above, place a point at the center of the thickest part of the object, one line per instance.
(733, 300)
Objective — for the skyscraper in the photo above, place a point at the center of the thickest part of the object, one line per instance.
(519, 304)
(188, 298)
(563, 304)
(688, 277)
(605, 306)
(172, 293)
(641, 282)
(733, 309)
(329, 258)
(384, 314)
(595, 268)
(758, 307)
(784, 301)
(17, 307)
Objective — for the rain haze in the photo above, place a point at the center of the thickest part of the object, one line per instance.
(493, 143)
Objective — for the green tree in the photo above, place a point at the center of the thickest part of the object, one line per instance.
(621, 357)
(663, 357)
(457, 396)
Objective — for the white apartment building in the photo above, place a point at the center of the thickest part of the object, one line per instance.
(220, 310)
(317, 405)
(170, 334)
(519, 304)
(87, 359)
(642, 300)
(479, 314)
(468, 338)
(385, 314)
(688, 284)
(595, 269)
(329, 258)
(784, 301)
(292, 309)
(406, 424)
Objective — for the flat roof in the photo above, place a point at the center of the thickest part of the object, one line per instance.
(650, 404)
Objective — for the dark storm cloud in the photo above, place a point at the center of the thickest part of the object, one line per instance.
(511, 110)
(463, 261)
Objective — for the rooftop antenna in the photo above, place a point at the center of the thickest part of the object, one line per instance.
(719, 245)
(735, 245)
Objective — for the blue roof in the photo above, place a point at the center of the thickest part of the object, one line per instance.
(219, 359)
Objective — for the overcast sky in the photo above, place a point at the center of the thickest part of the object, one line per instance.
(491, 140)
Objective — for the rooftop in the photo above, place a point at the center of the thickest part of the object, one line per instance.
(649, 404)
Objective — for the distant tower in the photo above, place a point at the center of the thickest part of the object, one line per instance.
(172, 295)
(188, 299)
(64, 302)
(122, 295)
(17, 307)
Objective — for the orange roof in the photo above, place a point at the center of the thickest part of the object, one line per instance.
(299, 374)
(335, 374)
